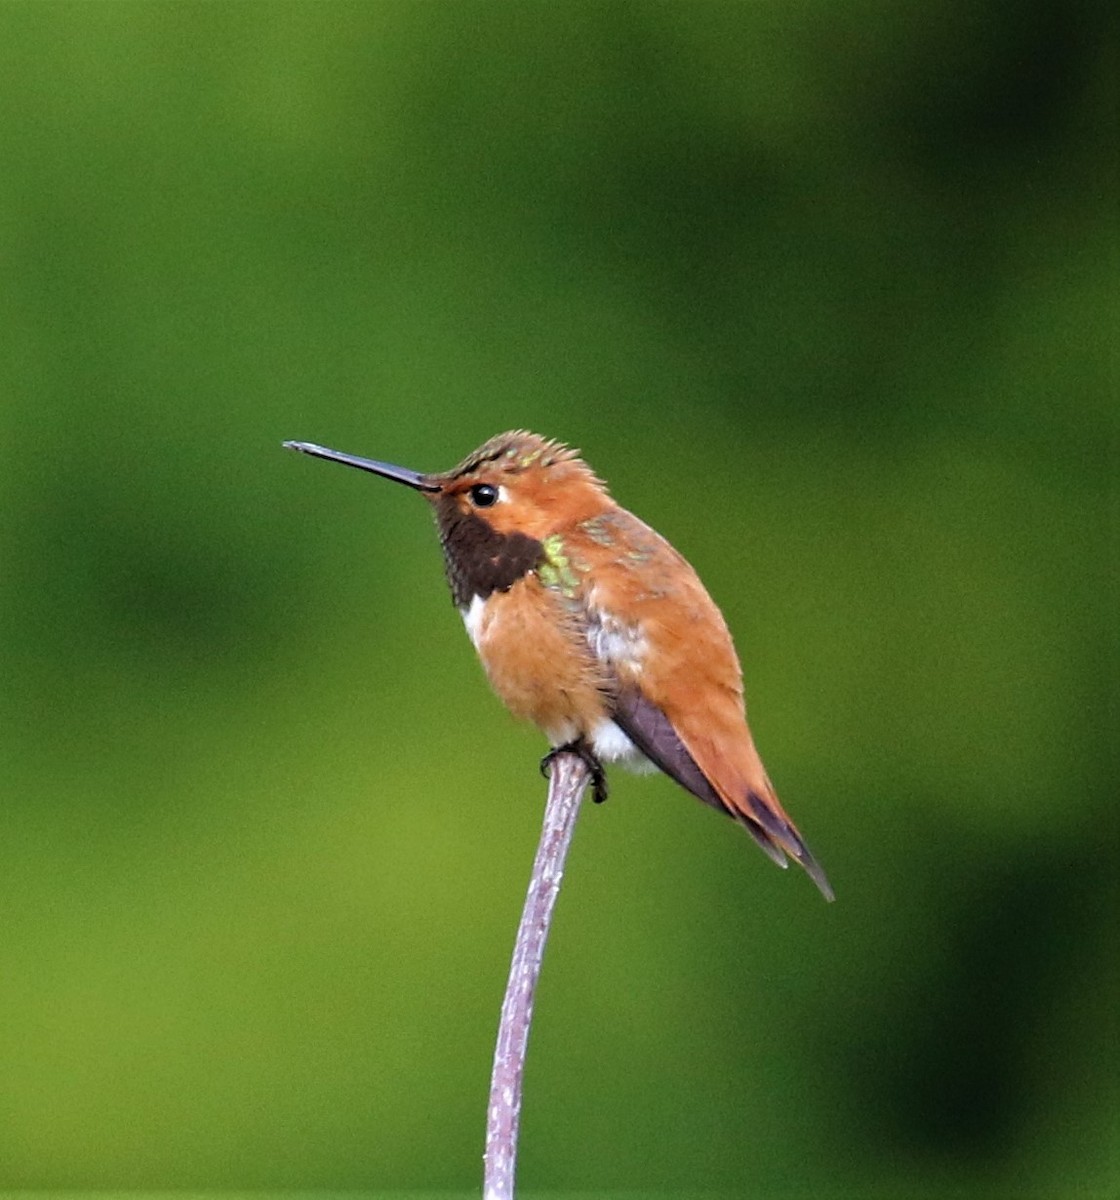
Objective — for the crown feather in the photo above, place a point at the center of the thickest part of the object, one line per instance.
(517, 451)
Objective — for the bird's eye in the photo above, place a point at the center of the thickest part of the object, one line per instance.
(483, 495)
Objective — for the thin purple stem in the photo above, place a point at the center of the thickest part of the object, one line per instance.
(567, 782)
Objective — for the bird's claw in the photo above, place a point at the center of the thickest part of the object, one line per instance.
(580, 748)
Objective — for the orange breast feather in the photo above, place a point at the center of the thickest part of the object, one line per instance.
(539, 663)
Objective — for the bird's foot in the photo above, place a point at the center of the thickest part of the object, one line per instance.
(583, 751)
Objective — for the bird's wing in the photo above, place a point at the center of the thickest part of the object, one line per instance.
(678, 686)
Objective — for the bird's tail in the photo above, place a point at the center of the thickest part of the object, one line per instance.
(765, 820)
(737, 785)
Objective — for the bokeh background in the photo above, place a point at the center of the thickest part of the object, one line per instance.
(829, 294)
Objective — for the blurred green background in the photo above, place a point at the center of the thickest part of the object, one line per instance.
(829, 294)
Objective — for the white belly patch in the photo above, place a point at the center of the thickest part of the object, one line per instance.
(612, 745)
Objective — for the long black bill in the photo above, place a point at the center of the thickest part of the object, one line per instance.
(412, 479)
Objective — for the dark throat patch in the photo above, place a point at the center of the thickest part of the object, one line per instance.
(478, 559)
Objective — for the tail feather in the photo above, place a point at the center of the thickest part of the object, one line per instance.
(768, 847)
(773, 824)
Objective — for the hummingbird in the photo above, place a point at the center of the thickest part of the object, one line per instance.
(589, 624)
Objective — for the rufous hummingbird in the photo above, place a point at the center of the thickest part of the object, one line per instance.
(591, 625)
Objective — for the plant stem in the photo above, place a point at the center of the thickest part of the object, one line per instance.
(568, 779)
